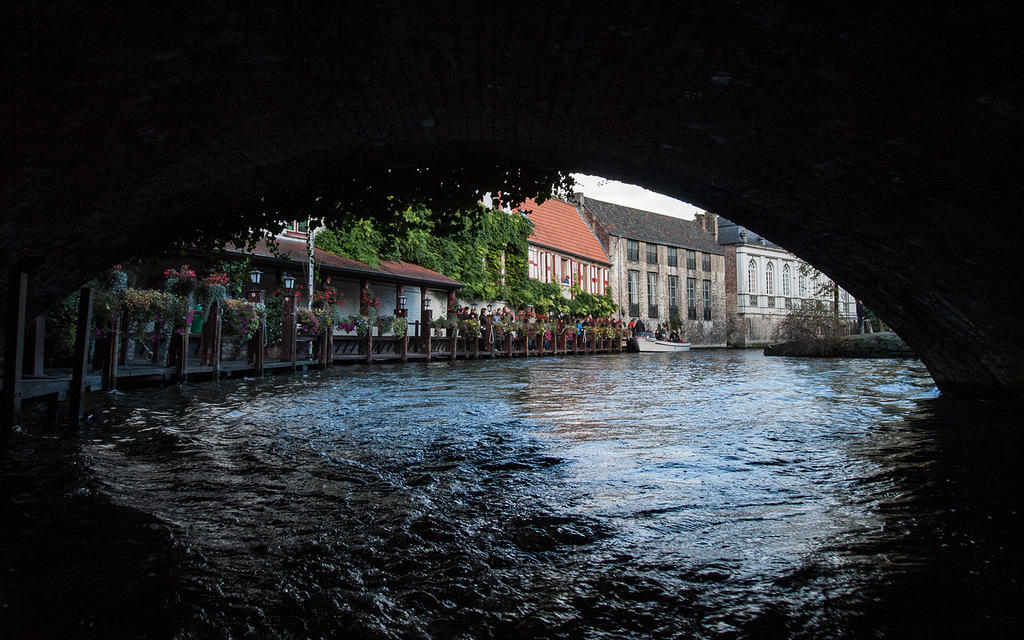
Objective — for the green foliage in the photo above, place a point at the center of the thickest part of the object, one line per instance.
(467, 245)
(274, 309)
(373, 195)
(811, 326)
(400, 327)
(361, 242)
(237, 270)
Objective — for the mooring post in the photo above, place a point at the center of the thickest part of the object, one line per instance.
(110, 363)
(34, 359)
(402, 344)
(14, 351)
(81, 360)
(126, 341)
(288, 328)
(261, 338)
(180, 345)
(328, 349)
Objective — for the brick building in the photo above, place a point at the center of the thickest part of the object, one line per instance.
(662, 266)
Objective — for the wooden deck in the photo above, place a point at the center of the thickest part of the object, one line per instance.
(115, 362)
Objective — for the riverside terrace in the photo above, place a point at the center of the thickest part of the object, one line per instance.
(102, 361)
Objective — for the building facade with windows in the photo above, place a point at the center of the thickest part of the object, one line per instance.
(662, 268)
(764, 282)
(564, 249)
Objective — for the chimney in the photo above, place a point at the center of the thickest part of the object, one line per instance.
(711, 224)
(578, 199)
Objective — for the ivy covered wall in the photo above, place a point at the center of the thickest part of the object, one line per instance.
(485, 249)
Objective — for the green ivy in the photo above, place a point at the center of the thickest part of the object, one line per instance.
(469, 245)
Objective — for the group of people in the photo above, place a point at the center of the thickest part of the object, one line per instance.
(488, 318)
(662, 332)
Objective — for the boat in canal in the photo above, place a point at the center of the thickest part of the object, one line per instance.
(646, 343)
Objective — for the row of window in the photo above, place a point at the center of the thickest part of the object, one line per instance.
(550, 267)
(633, 255)
(673, 298)
(769, 280)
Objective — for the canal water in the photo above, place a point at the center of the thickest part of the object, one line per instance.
(716, 494)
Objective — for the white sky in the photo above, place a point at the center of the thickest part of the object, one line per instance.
(632, 195)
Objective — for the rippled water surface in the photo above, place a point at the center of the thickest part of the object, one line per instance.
(712, 494)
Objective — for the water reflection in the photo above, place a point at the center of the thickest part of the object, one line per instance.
(717, 494)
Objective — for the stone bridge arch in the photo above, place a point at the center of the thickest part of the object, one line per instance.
(879, 142)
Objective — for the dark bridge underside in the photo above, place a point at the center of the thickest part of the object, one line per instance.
(878, 142)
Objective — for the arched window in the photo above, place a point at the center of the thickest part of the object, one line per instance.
(787, 287)
(803, 286)
(769, 279)
(752, 278)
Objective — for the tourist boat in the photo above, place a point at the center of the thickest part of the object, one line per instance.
(645, 342)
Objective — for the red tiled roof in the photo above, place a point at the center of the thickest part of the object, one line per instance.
(558, 225)
(401, 271)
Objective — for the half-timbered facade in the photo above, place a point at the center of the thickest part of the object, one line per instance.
(563, 248)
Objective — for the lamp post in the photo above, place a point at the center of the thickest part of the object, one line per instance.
(401, 311)
(426, 309)
(255, 293)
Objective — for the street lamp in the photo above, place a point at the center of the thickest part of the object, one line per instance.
(426, 302)
(401, 302)
(288, 281)
(255, 293)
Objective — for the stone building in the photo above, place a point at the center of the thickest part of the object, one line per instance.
(563, 248)
(662, 267)
(764, 282)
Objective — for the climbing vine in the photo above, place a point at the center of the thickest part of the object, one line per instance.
(485, 249)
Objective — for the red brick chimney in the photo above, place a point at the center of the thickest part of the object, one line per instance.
(709, 222)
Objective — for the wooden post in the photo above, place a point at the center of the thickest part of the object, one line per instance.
(288, 328)
(179, 343)
(428, 330)
(261, 338)
(126, 341)
(369, 345)
(14, 350)
(526, 341)
(81, 360)
(328, 347)
(213, 321)
(425, 320)
(34, 359)
(158, 331)
(453, 337)
(110, 366)
(402, 345)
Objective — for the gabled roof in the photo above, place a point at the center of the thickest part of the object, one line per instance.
(295, 252)
(729, 233)
(559, 226)
(637, 224)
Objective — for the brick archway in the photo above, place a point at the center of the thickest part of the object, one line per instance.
(878, 143)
